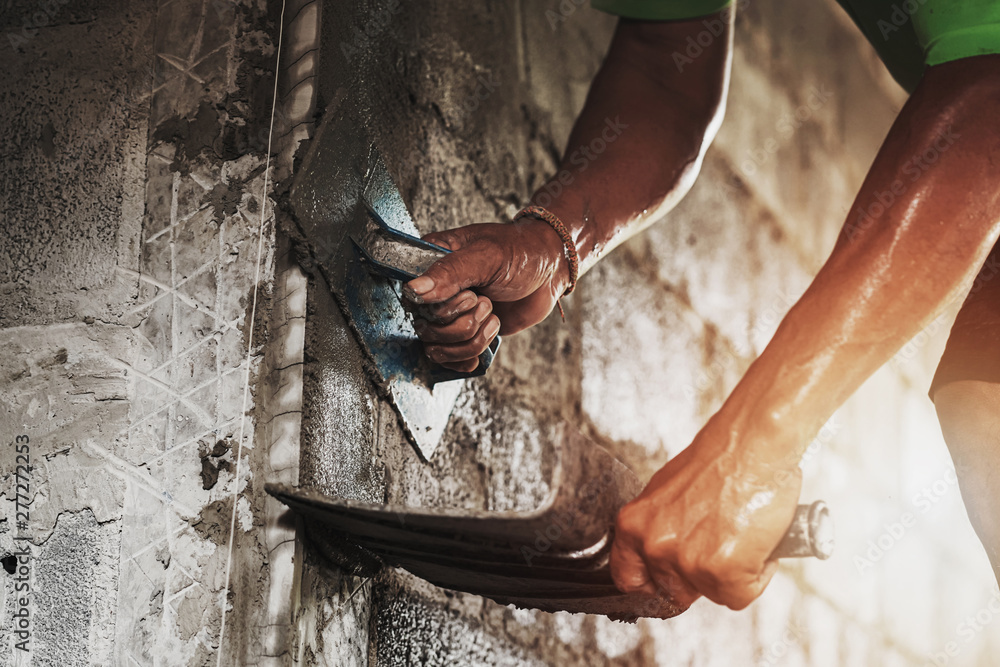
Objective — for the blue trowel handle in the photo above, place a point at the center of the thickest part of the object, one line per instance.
(400, 256)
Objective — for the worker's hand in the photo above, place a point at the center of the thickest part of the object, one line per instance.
(706, 524)
(519, 271)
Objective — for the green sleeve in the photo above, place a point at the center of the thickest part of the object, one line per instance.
(660, 10)
(951, 30)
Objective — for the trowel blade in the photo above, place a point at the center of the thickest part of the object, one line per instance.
(340, 172)
(393, 254)
(553, 558)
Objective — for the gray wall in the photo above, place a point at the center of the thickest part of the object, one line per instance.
(132, 194)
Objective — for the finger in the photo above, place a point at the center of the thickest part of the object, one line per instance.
(628, 570)
(462, 328)
(464, 268)
(446, 311)
(739, 596)
(672, 585)
(446, 239)
(444, 353)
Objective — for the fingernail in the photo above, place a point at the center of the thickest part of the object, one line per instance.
(432, 352)
(482, 311)
(491, 329)
(421, 285)
(468, 301)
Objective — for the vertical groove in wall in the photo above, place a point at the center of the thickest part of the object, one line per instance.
(283, 363)
(294, 120)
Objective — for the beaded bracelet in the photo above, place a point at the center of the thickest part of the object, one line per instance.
(569, 248)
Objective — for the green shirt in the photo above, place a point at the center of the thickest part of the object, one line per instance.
(908, 35)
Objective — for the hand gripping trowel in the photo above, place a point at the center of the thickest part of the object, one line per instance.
(553, 558)
(352, 228)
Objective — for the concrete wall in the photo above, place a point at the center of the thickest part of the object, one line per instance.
(133, 192)
(135, 186)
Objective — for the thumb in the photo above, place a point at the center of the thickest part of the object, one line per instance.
(452, 239)
(465, 267)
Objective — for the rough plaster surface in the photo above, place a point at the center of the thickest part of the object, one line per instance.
(133, 187)
(75, 117)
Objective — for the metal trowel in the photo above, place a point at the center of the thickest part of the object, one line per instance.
(355, 229)
(553, 558)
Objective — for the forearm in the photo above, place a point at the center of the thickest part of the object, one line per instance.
(633, 153)
(638, 144)
(895, 267)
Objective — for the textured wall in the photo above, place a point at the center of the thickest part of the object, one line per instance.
(655, 337)
(133, 189)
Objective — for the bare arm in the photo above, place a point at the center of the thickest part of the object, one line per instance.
(634, 152)
(656, 118)
(709, 519)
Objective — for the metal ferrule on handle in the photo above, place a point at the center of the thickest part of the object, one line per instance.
(811, 534)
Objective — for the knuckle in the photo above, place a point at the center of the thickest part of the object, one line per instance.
(660, 551)
(687, 563)
(448, 239)
(449, 267)
(428, 333)
(718, 562)
(627, 578)
(630, 522)
(478, 342)
(721, 568)
(628, 584)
